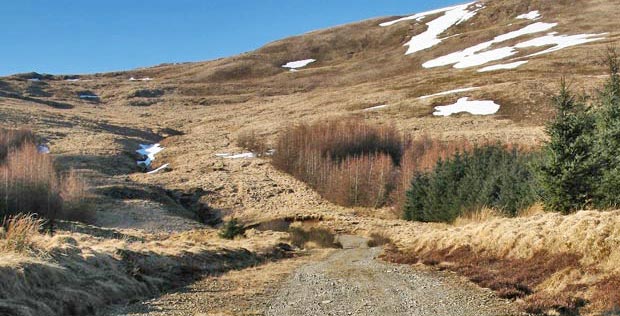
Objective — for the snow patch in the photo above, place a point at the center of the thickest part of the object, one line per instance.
(89, 96)
(140, 79)
(43, 149)
(502, 66)
(464, 105)
(420, 16)
(429, 38)
(148, 152)
(378, 107)
(162, 167)
(448, 92)
(237, 156)
(529, 16)
(294, 65)
(560, 41)
(34, 79)
(479, 55)
(73, 80)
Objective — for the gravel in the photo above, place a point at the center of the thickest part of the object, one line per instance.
(353, 282)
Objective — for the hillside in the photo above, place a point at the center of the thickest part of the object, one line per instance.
(507, 56)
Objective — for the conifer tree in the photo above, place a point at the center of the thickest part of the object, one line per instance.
(607, 193)
(568, 169)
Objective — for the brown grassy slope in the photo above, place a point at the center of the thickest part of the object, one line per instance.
(360, 65)
(530, 254)
(78, 274)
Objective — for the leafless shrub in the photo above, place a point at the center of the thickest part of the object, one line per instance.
(349, 162)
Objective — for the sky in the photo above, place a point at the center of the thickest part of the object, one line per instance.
(87, 36)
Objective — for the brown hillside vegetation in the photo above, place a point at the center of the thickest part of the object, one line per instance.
(552, 261)
(150, 228)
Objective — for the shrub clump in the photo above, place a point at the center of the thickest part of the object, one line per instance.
(488, 176)
(30, 184)
(232, 229)
(349, 162)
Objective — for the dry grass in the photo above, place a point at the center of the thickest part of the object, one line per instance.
(30, 182)
(476, 217)
(533, 210)
(13, 138)
(379, 239)
(556, 262)
(76, 274)
(250, 140)
(18, 232)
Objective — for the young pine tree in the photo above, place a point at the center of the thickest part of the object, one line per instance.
(607, 193)
(568, 169)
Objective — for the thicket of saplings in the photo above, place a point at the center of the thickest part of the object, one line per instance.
(30, 183)
(354, 163)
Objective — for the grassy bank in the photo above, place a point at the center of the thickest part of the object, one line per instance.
(551, 263)
(79, 274)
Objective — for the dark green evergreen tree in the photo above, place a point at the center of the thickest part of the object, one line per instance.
(607, 193)
(568, 166)
(488, 176)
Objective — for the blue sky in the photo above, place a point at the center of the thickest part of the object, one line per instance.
(86, 36)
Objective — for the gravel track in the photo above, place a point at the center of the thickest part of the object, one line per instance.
(354, 282)
(350, 281)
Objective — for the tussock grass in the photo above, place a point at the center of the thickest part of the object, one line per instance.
(74, 274)
(379, 239)
(29, 183)
(18, 232)
(482, 215)
(564, 261)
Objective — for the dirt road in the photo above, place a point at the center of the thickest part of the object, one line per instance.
(354, 282)
(345, 282)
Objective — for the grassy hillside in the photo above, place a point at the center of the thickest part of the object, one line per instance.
(201, 112)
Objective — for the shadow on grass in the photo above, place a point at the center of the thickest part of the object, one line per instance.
(79, 284)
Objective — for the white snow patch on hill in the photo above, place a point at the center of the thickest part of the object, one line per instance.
(529, 16)
(502, 66)
(429, 38)
(140, 79)
(378, 107)
(237, 156)
(476, 55)
(162, 167)
(89, 96)
(420, 16)
(293, 65)
(148, 152)
(464, 105)
(560, 41)
(448, 92)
